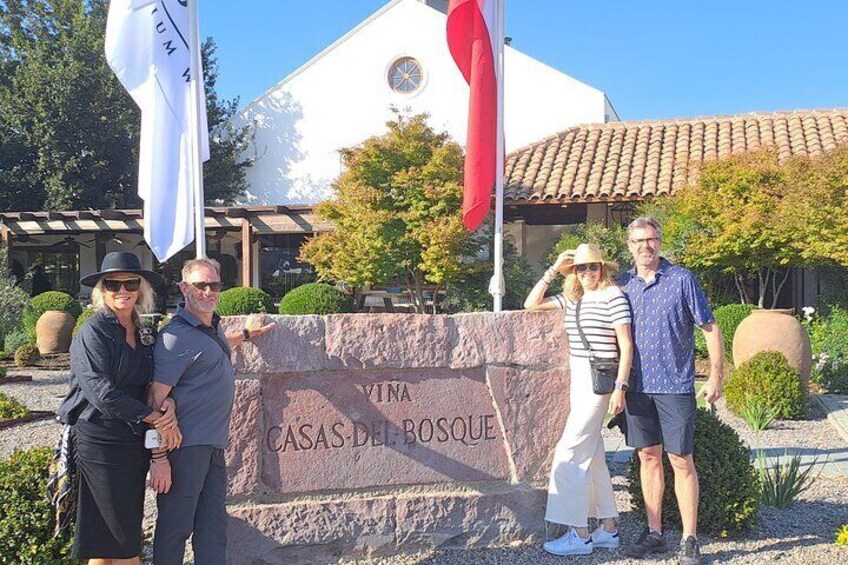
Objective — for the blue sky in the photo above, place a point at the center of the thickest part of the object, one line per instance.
(653, 58)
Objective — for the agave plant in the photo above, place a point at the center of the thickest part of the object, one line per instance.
(758, 415)
(782, 482)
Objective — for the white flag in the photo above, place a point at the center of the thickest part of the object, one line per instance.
(147, 48)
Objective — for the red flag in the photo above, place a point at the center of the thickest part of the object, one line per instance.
(471, 40)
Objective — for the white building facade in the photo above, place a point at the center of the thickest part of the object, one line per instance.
(398, 58)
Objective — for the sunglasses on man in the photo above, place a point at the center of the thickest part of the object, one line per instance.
(114, 285)
(202, 286)
(594, 267)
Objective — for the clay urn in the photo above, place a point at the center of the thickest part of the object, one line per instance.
(53, 332)
(774, 330)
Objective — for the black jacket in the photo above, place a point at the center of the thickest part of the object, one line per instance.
(100, 384)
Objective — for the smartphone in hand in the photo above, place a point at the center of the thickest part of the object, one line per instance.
(152, 439)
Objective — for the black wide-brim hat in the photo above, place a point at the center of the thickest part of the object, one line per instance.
(121, 262)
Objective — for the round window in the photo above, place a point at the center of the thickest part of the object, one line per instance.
(405, 75)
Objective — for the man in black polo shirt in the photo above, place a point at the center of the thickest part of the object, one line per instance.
(192, 364)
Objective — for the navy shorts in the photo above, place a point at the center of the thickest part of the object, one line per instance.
(661, 419)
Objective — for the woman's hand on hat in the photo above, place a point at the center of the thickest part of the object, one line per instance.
(564, 258)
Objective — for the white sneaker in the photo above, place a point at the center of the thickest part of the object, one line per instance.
(569, 544)
(604, 539)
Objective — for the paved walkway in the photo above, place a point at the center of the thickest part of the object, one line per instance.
(830, 463)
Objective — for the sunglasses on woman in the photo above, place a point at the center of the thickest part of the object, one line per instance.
(594, 267)
(114, 285)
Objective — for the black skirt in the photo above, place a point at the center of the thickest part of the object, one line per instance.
(112, 467)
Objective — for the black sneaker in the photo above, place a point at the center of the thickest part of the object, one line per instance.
(649, 542)
(689, 552)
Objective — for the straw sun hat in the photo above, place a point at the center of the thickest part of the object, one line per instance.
(586, 253)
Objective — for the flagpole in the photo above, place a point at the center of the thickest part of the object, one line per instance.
(496, 285)
(195, 108)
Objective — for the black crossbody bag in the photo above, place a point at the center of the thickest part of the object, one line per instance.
(604, 371)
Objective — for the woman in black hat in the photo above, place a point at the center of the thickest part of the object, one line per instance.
(106, 409)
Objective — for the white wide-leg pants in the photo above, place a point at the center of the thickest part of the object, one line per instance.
(580, 486)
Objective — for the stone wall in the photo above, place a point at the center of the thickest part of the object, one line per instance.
(378, 434)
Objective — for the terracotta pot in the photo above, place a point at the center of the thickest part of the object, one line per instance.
(53, 332)
(774, 330)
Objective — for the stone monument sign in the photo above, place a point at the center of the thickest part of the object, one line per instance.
(379, 434)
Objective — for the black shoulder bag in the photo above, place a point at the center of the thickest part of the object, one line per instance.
(604, 371)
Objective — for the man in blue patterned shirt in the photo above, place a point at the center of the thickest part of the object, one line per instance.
(667, 302)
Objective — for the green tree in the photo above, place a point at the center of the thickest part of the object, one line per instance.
(732, 220)
(815, 207)
(751, 216)
(396, 209)
(470, 293)
(611, 239)
(68, 129)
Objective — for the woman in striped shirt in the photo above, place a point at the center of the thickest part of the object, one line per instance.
(580, 485)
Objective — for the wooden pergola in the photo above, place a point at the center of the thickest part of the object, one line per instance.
(62, 230)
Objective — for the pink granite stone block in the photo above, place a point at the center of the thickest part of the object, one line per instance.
(518, 338)
(295, 344)
(534, 404)
(244, 452)
(363, 341)
(347, 430)
(311, 531)
(470, 521)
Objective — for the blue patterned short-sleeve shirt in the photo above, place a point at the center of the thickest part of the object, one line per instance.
(665, 313)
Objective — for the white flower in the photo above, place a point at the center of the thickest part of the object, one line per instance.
(808, 312)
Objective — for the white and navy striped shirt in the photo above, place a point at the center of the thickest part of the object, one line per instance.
(600, 312)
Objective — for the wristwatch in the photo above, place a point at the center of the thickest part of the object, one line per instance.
(621, 386)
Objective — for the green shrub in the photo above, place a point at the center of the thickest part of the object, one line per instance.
(728, 318)
(244, 300)
(757, 415)
(470, 293)
(26, 517)
(829, 341)
(13, 298)
(730, 491)
(611, 239)
(84, 315)
(783, 482)
(3, 372)
(316, 298)
(50, 300)
(16, 339)
(26, 355)
(767, 378)
(11, 408)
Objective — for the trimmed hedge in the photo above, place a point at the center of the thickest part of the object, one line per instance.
(316, 298)
(728, 318)
(84, 315)
(26, 355)
(768, 379)
(243, 300)
(50, 300)
(26, 516)
(730, 490)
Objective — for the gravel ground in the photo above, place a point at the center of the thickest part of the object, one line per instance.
(803, 534)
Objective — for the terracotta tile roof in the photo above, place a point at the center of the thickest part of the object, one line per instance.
(631, 160)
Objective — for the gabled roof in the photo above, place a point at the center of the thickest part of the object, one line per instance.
(631, 160)
(364, 23)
